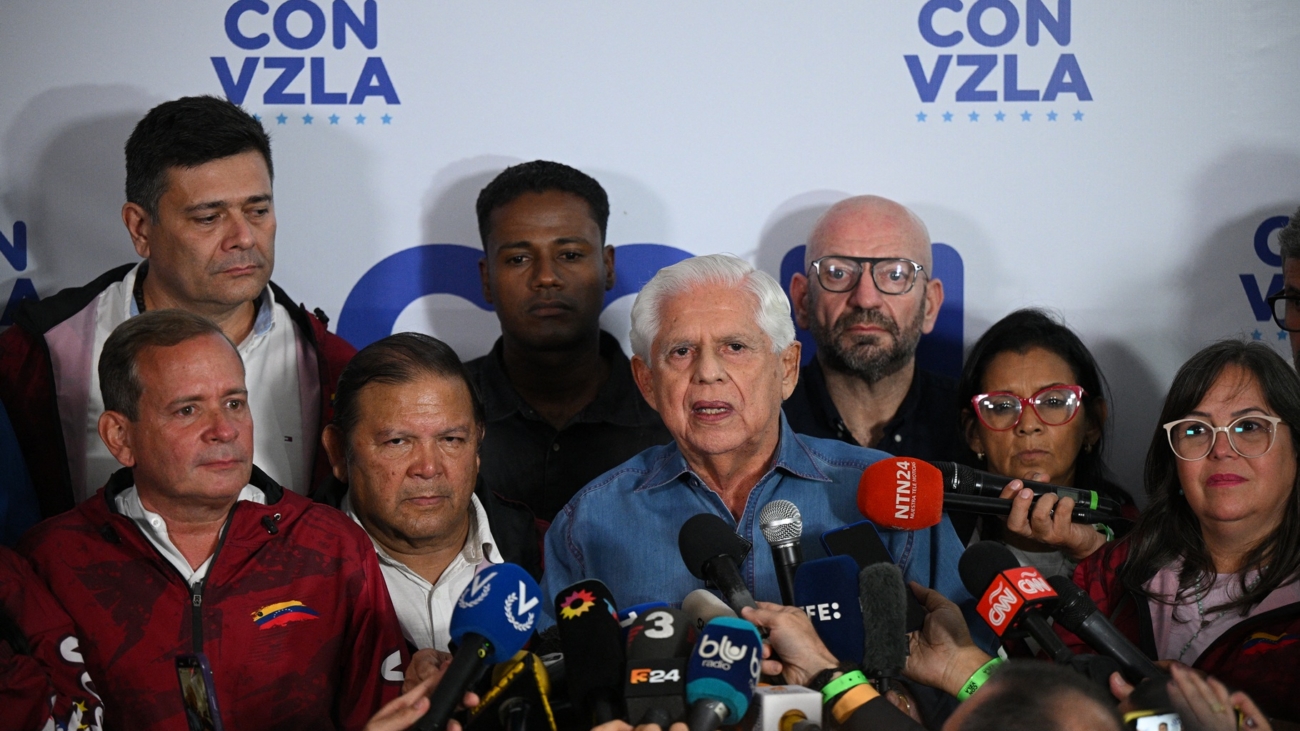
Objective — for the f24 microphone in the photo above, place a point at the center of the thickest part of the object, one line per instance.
(827, 590)
(962, 480)
(907, 494)
(884, 613)
(702, 606)
(722, 673)
(658, 645)
(1012, 597)
(782, 526)
(713, 552)
(491, 621)
(1076, 612)
(592, 642)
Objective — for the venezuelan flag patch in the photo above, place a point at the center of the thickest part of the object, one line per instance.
(278, 615)
(1262, 642)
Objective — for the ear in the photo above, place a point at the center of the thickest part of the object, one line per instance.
(790, 368)
(608, 254)
(1093, 433)
(799, 294)
(138, 225)
(115, 430)
(487, 282)
(644, 381)
(933, 301)
(970, 429)
(336, 450)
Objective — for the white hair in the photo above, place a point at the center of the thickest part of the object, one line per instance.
(719, 270)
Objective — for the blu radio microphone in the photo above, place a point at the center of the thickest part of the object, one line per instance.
(722, 673)
(907, 494)
(782, 527)
(861, 541)
(1013, 598)
(658, 645)
(787, 708)
(593, 649)
(962, 480)
(1076, 612)
(491, 621)
(884, 614)
(713, 552)
(703, 606)
(518, 698)
(827, 590)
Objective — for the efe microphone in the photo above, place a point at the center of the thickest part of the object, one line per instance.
(782, 526)
(861, 541)
(827, 590)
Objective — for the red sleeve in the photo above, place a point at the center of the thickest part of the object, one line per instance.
(374, 649)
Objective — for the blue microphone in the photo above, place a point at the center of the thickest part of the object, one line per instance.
(492, 620)
(723, 673)
(827, 590)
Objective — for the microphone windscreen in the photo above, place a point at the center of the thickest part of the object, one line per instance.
(827, 590)
(592, 640)
(901, 493)
(706, 536)
(501, 603)
(884, 612)
(981, 563)
(1074, 606)
(780, 522)
(702, 606)
(725, 666)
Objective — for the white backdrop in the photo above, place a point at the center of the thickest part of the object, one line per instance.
(1128, 197)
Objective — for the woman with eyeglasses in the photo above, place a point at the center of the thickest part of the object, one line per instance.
(1034, 409)
(1210, 574)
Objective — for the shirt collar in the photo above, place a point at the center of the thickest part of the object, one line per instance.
(479, 544)
(135, 281)
(792, 456)
(814, 379)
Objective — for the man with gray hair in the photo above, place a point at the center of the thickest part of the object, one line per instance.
(715, 355)
(1286, 303)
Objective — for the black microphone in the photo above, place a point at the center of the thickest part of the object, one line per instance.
(1012, 596)
(1076, 612)
(861, 542)
(659, 643)
(592, 641)
(962, 480)
(782, 526)
(713, 552)
(884, 618)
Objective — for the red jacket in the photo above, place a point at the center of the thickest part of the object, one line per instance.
(27, 379)
(48, 682)
(294, 615)
(1260, 655)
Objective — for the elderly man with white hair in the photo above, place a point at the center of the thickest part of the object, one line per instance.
(715, 354)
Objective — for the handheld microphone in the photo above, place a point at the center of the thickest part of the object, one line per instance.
(1012, 597)
(1076, 612)
(827, 590)
(722, 673)
(702, 607)
(884, 612)
(517, 700)
(658, 644)
(782, 526)
(787, 708)
(962, 480)
(491, 621)
(907, 494)
(593, 649)
(713, 552)
(861, 541)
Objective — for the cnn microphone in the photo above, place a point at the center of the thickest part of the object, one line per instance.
(1012, 597)
(722, 673)
(713, 552)
(907, 494)
(592, 642)
(702, 606)
(517, 700)
(491, 621)
(658, 645)
(962, 480)
(861, 541)
(782, 526)
(827, 590)
(884, 614)
(1076, 612)
(787, 708)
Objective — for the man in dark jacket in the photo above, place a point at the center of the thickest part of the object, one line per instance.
(191, 550)
(200, 212)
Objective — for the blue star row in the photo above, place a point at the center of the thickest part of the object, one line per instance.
(1257, 335)
(333, 118)
(1001, 116)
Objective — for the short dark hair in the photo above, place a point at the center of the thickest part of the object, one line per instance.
(395, 360)
(1033, 328)
(1168, 530)
(119, 375)
(1025, 695)
(540, 176)
(186, 133)
(1289, 238)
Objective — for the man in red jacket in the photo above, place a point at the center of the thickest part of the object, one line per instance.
(190, 549)
(200, 211)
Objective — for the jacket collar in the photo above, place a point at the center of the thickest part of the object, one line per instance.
(793, 457)
(125, 478)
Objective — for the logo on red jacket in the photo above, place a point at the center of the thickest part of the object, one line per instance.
(1262, 642)
(278, 615)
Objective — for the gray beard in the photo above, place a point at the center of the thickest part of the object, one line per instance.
(865, 358)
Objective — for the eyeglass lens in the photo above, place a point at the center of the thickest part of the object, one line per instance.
(1193, 439)
(891, 276)
(1054, 407)
(1286, 312)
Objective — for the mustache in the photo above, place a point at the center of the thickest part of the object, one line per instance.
(865, 317)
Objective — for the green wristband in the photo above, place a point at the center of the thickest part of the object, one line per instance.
(1103, 528)
(980, 677)
(841, 684)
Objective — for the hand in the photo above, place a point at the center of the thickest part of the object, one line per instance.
(943, 655)
(1076, 540)
(423, 672)
(425, 664)
(1206, 704)
(793, 640)
(617, 725)
(403, 711)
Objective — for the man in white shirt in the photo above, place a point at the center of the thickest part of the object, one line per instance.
(404, 447)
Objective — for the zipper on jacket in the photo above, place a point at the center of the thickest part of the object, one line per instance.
(196, 589)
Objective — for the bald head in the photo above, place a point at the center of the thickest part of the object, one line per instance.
(871, 222)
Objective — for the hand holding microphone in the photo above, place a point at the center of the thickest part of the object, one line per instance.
(792, 638)
(1048, 521)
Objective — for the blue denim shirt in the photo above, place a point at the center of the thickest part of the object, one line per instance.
(622, 527)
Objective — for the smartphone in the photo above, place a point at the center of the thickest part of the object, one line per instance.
(1154, 721)
(198, 694)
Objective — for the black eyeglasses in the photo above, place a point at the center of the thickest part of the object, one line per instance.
(891, 275)
(1285, 307)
